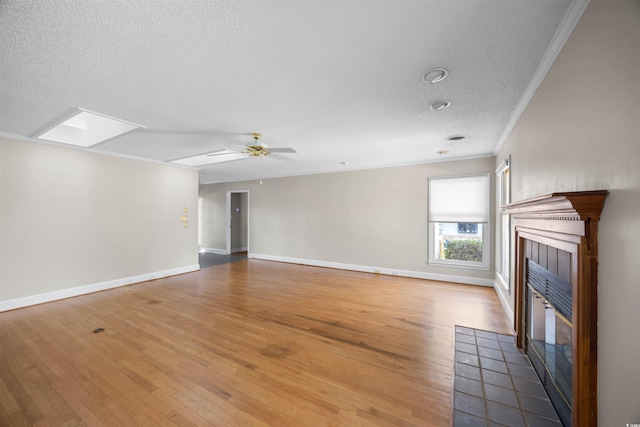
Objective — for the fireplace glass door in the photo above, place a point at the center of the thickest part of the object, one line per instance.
(549, 345)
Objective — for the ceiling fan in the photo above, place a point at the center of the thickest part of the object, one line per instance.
(260, 149)
(251, 149)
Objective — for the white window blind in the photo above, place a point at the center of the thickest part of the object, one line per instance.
(459, 199)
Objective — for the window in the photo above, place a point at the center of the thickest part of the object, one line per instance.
(465, 227)
(459, 221)
(504, 197)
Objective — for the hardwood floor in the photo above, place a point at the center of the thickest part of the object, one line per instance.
(249, 343)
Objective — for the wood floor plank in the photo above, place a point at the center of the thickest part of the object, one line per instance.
(250, 343)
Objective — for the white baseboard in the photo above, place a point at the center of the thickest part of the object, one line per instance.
(378, 270)
(214, 251)
(505, 304)
(95, 287)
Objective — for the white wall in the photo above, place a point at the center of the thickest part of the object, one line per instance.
(374, 218)
(73, 221)
(581, 131)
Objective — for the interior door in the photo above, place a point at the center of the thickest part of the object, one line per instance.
(238, 237)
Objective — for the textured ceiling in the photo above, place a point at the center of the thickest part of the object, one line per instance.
(335, 80)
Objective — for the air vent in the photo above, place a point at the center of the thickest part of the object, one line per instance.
(456, 138)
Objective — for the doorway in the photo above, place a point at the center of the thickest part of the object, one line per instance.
(237, 222)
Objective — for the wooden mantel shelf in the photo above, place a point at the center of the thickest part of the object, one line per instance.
(578, 205)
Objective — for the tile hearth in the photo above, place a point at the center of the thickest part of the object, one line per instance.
(495, 384)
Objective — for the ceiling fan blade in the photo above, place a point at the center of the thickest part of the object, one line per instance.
(282, 158)
(218, 152)
(217, 156)
(282, 150)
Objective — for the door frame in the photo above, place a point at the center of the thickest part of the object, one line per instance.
(228, 220)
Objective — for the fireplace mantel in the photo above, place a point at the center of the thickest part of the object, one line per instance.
(572, 206)
(564, 223)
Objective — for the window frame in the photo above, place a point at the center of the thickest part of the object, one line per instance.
(433, 231)
(503, 196)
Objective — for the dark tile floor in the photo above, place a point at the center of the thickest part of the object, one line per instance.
(209, 260)
(495, 385)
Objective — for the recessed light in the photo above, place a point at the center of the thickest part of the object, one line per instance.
(440, 105)
(436, 75)
(86, 128)
(456, 138)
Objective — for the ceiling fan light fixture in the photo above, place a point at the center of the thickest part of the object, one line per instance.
(259, 150)
(255, 148)
(436, 75)
(439, 105)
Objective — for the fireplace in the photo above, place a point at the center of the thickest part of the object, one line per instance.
(556, 264)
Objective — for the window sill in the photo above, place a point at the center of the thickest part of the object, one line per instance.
(459, 264)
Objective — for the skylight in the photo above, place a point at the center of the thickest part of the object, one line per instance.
(218, 156)
(86, 128)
